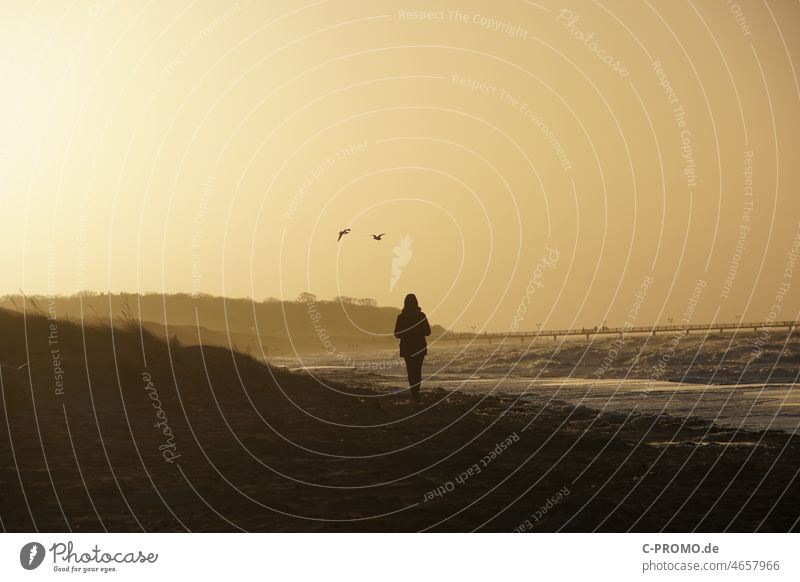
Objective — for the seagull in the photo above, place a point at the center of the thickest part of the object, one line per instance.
(378, 236)
(342, 233)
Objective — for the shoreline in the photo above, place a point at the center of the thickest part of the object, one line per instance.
(657, 461)
(362, 459)
(715, 403)
(262, 449)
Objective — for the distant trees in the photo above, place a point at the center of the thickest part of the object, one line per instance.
(306, 298)
(364, 302)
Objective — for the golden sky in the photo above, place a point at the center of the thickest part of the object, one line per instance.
(543, 159)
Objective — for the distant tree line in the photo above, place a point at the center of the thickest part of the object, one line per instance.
(308, 298)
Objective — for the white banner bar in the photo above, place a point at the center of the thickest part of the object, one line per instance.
(399, 557)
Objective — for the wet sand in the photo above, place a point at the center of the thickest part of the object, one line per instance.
(294, 455)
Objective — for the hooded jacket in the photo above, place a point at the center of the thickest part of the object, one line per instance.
(411, 328)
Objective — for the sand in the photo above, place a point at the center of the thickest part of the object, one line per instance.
(306, 458)
(205, 439)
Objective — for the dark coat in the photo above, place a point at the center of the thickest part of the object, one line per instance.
(411, 328)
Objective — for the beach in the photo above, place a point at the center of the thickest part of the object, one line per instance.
(261, 448)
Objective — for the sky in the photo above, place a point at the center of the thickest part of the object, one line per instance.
(532, 163)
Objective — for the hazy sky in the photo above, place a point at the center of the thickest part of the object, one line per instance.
(220, 147)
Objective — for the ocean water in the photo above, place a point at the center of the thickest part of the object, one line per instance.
(741, 395)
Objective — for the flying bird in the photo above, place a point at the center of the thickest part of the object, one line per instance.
(378, 236)
(342, 233)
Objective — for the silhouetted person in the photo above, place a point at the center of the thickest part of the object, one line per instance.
(411, 328)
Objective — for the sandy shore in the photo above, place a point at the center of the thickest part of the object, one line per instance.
(290, 454)
(142, 435)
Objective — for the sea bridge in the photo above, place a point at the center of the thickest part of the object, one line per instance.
(588, 333)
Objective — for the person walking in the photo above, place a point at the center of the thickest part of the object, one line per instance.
(411, 329)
